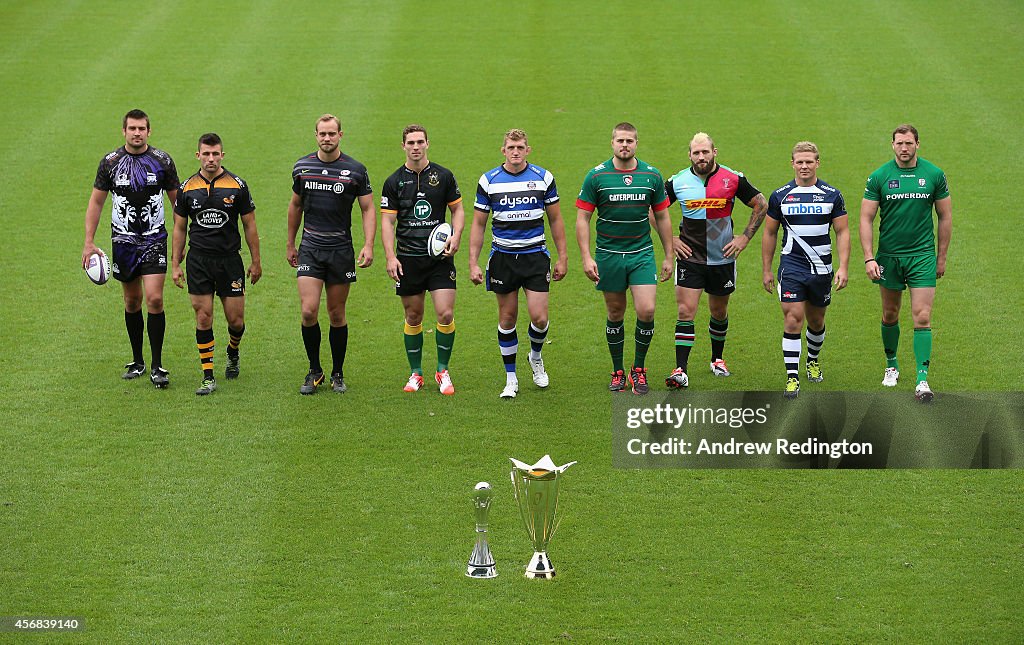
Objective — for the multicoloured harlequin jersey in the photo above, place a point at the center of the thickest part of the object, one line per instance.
(622, 199)
(706, 226)
(516, 202)
(905, 197)
(135, 183)
(805, 213)
(327, 190)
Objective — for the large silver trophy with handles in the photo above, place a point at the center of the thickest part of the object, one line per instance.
(481, 562)
(536, 491)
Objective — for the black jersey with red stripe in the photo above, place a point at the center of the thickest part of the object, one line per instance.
(327, 191)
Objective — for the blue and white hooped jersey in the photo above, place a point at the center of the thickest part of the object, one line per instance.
(516, 203)
(805, 213)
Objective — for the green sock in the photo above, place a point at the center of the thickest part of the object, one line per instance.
(923, 351)
(643, 335)
(414, 347)
(891, 342)
(615, 335)
(445, 338)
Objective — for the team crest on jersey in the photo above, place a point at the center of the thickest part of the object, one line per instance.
(344, 173)
(628, 180)
(894, 183)
(531, 185)
(725, 182)
(229, 200)
(121, 180)
(921, 182)
(433, 179)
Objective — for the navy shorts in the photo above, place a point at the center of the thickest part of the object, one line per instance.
(800, 286)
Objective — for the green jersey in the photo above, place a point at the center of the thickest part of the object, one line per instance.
(906, 197)
(622, 199)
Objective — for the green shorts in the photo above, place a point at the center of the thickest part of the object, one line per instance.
(900, 272)
(619, 271)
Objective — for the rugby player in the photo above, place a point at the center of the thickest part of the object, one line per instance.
(707, 248)
(325, 184)
(413, 201)
(137, 174)
(804, 209)
(624, 190)
(211, 202)
(517, 195)
(905, 190)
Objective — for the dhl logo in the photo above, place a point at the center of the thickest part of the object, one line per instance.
(710, 202)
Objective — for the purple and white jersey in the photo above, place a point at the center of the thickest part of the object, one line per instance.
(135, 184)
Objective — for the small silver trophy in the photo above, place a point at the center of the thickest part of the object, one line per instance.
(481, 562)
(536, 491)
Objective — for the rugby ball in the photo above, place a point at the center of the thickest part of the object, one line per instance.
(97, 267)
(438, 239)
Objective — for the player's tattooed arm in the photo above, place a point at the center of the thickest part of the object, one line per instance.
(760, 206)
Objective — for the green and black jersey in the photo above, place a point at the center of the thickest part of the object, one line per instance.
(419, 201)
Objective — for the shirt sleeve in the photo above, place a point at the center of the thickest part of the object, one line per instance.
(245, 197)
(453, 195)
(483, 199)
(660, 197)
(774, 207)
(745, 190)
(103, 177)
(171, 181)
(364, 187)
(942, 187)
(587, 199)
(389, 197)
(839, 207)
(551, 195)
(872, 190)
(179, 202)
(671, 192)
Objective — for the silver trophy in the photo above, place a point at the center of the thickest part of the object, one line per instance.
(536, 491)
(481, 562)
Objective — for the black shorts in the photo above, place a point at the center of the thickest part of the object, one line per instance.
(333, 266)
(507, 272)
(715, 279)
(207, 274)
(133, 260)
(423, 273)
(800, 286)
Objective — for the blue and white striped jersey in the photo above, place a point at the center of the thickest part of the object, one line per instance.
(516, 203)
(806, 212)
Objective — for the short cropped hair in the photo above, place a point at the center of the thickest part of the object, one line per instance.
(804, 146)
(625, 126)
(515, 134)
(134, 114)
(905, 129)
(702, 136)
(413, 127)
(329, 117)
(210, 139)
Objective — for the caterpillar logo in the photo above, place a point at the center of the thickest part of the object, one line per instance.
(627, 197)
(707, 202)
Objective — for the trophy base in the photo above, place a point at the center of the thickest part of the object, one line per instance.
(481, 571)
(540, 566)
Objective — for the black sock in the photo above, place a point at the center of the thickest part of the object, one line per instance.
(134, 324)
(234, 340)
(156, 323)
(311, 339)
(205, 345)
(338, 337)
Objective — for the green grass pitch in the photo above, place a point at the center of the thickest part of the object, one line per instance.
(257, 515)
